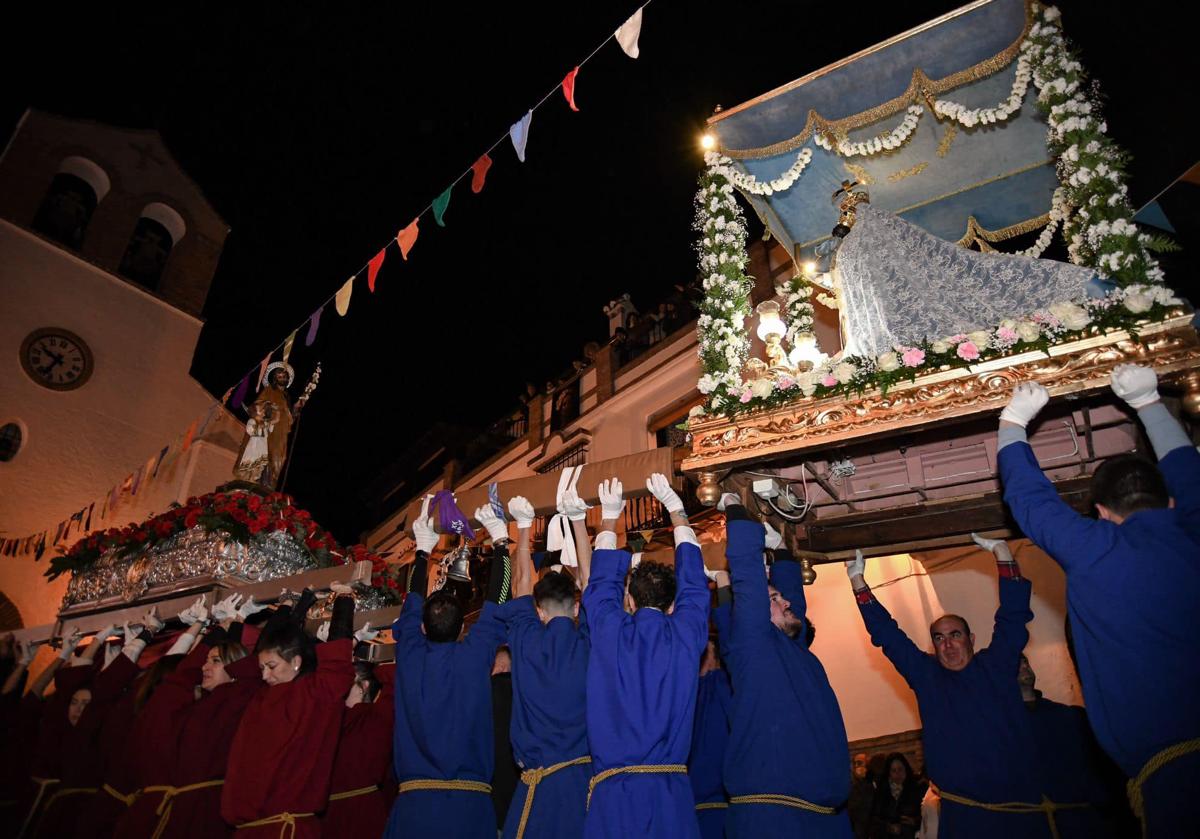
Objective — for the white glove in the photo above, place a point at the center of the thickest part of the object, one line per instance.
(572, 506)
(366, 633)
(495, 525)
(634, 560)
(710, 573)
(249, 607)
(323, 632)
(423, 531)
(1136, 384)
(196, 613)
(111, 651)
(522, 511)
(1028, 398)
(69, 644)
(997, 546)
(227, 609)
(856, 567)
(728, 498)
(127, 633)
(612, 500)
(105, 633)
(151, 622)
(26, 652)
(661, 489)
(774, 537)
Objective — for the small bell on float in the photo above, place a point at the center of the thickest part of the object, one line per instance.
(460, 565)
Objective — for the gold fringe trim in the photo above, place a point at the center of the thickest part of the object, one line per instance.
(921, 90)
(977, 234)
(895, 177)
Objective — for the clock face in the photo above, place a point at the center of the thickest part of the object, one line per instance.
(56, 358)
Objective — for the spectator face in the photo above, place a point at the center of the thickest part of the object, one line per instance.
(1026, 678)
(275, 670)
(213, 674)
(860, 766)
(897, 774)
(79, 701)
(782, 615)
(355, 696)
(952, 645)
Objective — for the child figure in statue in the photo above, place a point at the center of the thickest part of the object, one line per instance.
(254, 459)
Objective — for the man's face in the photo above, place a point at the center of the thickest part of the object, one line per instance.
(952, 645)
(279, 378)
(860, 766)
(1026, 678)
(782, 615)
(897, 774)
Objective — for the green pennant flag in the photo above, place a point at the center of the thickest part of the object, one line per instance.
(440, 204)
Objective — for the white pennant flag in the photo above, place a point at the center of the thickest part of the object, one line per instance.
(627, 35)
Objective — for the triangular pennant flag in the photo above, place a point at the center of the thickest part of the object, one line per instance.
(212, 410)
(41, 546)
(627, 35)
(262, 371)
(568, 87)
(87, 524)
(287, 346)
(520, 134)
(225, 397)
(137, 481)
(150, 464)
(187, 437)
(114, 496)
(479, 170)
(440, 204)
(159, 460)
(240, 394)
(373, 267)
(407, 237)
(342, 301)
(58, 534)
(127, 484)
(104, 507)
(314, 323)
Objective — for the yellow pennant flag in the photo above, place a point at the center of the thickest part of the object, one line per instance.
(342, 301)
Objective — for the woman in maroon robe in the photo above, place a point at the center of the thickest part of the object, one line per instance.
(359, 799)
(280, 765)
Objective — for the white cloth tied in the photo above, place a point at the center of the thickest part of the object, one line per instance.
(559, 536)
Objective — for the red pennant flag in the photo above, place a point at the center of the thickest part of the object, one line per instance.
(188, 435)
(568, 87)
(373, 267)
(480, 168)
(407, 237)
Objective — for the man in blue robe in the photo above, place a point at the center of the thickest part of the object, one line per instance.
(785, 766)
(549, 672)
(1133, 579)
(710, 735)
(641, 683)
(443, 749)
(979, 746)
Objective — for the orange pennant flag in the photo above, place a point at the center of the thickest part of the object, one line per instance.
(188, 435)
(407, 237)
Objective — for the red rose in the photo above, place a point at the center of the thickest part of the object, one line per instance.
(279, 524)
(191, 519)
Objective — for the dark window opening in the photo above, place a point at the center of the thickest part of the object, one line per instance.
(66, 210)
(565, 408)
(146, 256)
(10, 441)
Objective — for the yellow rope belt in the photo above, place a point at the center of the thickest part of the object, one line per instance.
(168, 801)
(1134, 789)
(532, 777)
(354, 793)
(712, 805)
(286, 822)
(783, 801)
(1047, 807)
(645, 769)
(127, 800)
(431, 783)
(63, 793)
(42, 783)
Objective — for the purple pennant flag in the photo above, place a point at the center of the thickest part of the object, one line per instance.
(314, 323)
(87, 525)
(450, 519)
(137, 480)
(58, 533)
(240, 393)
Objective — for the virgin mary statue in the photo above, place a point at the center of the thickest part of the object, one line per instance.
(898, 284)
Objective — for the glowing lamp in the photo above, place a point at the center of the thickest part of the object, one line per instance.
(708, 142)
(809, 268)
(769, 321)
(805, 354)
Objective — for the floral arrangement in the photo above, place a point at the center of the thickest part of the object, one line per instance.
(242, 515)
(894, 139)
(1125, 308)
(723, 344)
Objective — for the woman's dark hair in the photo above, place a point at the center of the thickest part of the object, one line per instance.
(150, 680)
(231, 651)
(364, 674)
(894, 756)
(652, 584)
(287, 641)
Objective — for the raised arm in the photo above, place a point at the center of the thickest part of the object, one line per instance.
(691, 584)
(1178, 459)
(1043, 516)
(885, 633)
(497, 529)
(575, 509)
(25, 653)
(602, 601)
(722, 616)
(1010, 634)
(523, 572)
(751, 615)
(408, 624)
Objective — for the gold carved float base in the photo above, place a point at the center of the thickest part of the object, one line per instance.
(1171, 347)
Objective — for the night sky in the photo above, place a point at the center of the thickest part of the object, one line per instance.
(319, 130)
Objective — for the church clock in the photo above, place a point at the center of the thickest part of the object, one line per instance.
(56, 358)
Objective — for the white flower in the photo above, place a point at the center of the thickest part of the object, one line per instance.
(697, 411)
(1027, 330)
(1138, 303)
(762, 388)
(940, 346)
(707, 384)
(844, 372)
(888, 362)
(1073, 317)
(980, 337)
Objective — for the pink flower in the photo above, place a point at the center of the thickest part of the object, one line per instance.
(828, 380)
(1006, 334)
(967, 351)
(957, 339)
(785, 382)
(913, 357)
(745, 397)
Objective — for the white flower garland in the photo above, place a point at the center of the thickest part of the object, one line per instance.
(970, 117)
(723, 342)
(1058, 211)
(894, 139)
(723, 166)
(796, 293)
